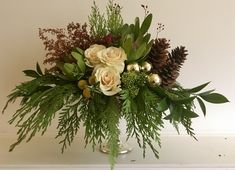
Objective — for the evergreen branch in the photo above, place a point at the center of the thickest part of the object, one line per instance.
(97, 22)
(69, 122)
(112, 121)
(187, 123)
(92, 114)
(41, 97)
(114, 18)
(144, 120)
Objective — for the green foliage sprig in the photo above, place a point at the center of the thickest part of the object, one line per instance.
(100, 26)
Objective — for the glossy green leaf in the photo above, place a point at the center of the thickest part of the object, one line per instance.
(146, 24)
(189, 113)
(214, 98)
(175, 113)
(38, 69)
(159, 91)
(31, 73)
(206, 92)
(184, 100)
(198, 88)
(202, 105)
(163, 105)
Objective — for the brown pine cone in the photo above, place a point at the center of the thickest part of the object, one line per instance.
(170, 72)
(158, 54)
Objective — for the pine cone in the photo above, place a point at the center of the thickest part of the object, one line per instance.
(170, 72)
(178, 56)
(158, 54)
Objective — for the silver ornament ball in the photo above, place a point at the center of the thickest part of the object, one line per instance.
(146, 66)
(154, 79)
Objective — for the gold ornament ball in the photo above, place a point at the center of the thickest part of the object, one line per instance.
(82, 84)
(86, 93)
(154, 79)
(91, 80)
(146, 66)
(133, 67)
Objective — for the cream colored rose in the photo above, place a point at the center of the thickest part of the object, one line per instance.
(109, 79)
(113, 57)
(91, 58)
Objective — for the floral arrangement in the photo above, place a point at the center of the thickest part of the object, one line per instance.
(98, 75)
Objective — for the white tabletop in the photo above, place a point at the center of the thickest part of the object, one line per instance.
(177, 152)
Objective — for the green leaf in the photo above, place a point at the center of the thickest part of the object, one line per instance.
(189, 113)
(80, 50)
(168, 117)
(31, 73)
(175, 113)
(202, 105)
(146, 24)
(127, 45)
(80, 61)
(137, 27)
(159, 91)
(139, 52)
(68, 69)
(214, 98)
(163, 105)
(38, 69)
(147, 50)
(184, 100)
(147, 38)
(206, 92)
(198, 88)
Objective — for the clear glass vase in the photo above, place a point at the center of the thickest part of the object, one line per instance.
(124, 147)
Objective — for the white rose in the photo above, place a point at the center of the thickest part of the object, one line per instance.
(109, 79)
(91, 58)
(113, 57)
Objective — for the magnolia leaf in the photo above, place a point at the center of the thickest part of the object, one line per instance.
(38, 69)
(198, 88)
(214, 98)
(202, 105)
(31, 73)
(146, 24)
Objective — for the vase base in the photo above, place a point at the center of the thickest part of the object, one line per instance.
(124, 148)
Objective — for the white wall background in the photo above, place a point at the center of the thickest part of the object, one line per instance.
(205, 27)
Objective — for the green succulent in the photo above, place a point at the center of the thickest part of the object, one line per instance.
(135, 39)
